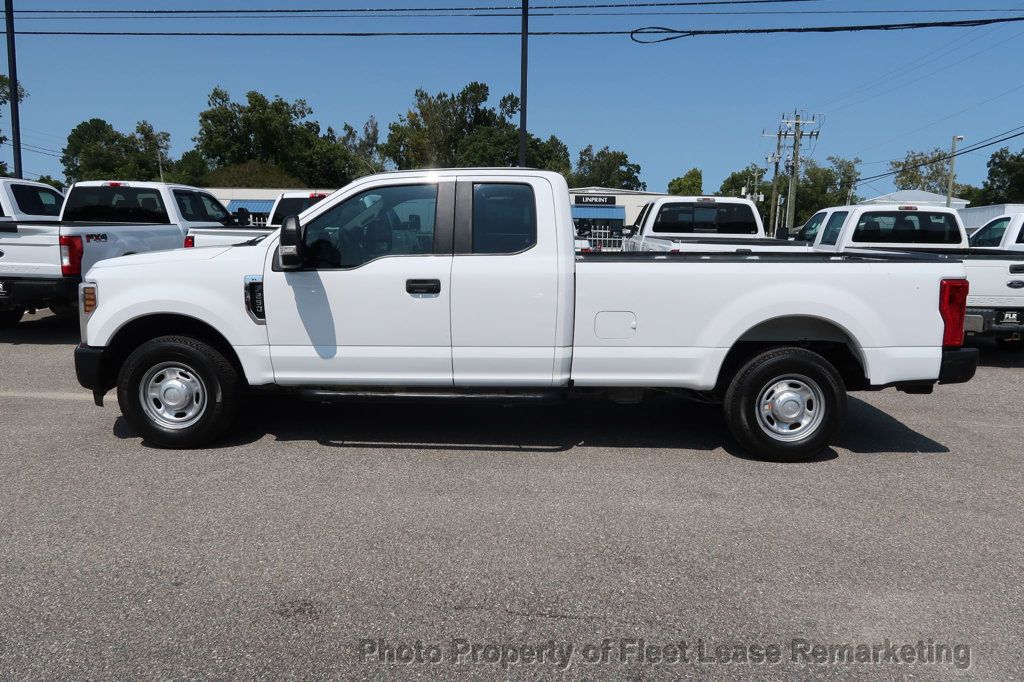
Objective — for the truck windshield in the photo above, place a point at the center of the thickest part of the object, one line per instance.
(907, 227)
(293, 206)
(115, 205)
(37, 200)
(705, 218)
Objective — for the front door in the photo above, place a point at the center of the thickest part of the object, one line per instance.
(371, 306)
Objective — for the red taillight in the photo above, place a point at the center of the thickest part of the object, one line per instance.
(190, 241)
(70, 256)
(953, 308)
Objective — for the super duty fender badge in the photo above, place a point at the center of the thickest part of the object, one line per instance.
(96, 237)
(1016, 284)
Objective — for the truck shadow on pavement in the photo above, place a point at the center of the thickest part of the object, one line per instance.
(662, 423)
(43, 329)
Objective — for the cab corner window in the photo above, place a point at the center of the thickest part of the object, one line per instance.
(504, 218)
(380, 222)
(832, 228)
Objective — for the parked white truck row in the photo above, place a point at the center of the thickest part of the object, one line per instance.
(465, 284)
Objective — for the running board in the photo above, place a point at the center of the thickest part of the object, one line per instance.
(331, 396)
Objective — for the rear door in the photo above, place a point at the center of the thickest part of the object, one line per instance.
(504, 282)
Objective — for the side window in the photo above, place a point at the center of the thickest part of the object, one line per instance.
(991, 234)
(833, 227)
(188, 205)
(385, 221)
(809, 231)
(37, 200)
(1020, 235)
(213, 211)
(504, 218)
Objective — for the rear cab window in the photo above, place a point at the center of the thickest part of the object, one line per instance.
(906, 227)
(40, 201)
(833, 227)
(704, 217)
(115, 204)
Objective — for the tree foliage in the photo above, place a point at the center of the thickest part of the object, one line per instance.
(606, 168)
(690, 184)
(928, 171)
(1005, 181)
(96, 151)
(251, 174)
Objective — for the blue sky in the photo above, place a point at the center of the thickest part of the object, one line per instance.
(693, 102)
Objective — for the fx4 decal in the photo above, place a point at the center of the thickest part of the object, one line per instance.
(95, 238)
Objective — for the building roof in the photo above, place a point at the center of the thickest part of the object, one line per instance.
(916, 196)
(251, 205)
(610, 190)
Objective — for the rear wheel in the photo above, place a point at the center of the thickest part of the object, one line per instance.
(179, 392)
(10, 318)
(785, 404)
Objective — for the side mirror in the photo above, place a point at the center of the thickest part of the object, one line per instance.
(242, 217)
(627, 232)
(290, 249)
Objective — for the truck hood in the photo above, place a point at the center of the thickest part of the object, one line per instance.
(163, 257)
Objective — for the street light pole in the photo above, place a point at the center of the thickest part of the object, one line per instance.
(523, 61)
(952, 170)
(12, 74)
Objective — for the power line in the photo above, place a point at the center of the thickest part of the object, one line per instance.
(667, 33)
(350, 10)
(670, 34)
(938, 159)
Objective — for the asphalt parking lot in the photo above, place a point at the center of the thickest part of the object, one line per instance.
(315, 528)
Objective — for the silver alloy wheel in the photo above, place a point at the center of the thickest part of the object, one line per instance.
(790, 408)
(173, 395)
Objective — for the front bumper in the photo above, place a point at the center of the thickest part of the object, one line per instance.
(958, 365)
(983, 322)
(30, 292)
(90, 371)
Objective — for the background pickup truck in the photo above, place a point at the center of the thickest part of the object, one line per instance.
(287, 203)
(463, 284)
(42, 263)
(996, 301)
(1003, 233)
(695, 224)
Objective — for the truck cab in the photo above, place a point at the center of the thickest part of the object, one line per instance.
(1004, 233)
(24, 201)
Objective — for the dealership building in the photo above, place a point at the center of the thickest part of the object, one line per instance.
(602, 211)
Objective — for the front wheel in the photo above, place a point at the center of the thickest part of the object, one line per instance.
(785, 405)
(179, 392)
(10, 318)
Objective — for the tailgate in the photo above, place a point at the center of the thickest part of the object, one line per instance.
(29, 251)
(995, 283)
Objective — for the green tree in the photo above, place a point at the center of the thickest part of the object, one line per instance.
(928, 171)
(251, 174)
(690, 184)
(51, 181)
(274, 132)
(96, 151)
(824, 186)
(606, 168)
(749, 180)
(1005, 182)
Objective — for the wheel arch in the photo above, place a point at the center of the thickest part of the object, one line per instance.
(830, 340)
(138, 331)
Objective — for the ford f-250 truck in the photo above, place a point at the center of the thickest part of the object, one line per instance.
(464, 284)
(42, 263)
(995, 307)
(691, 224)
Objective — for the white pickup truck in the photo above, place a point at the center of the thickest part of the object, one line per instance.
(1004, 233)
(464, 284)
(286, 204)
(696, 224)
(42, 263)
(996, 276)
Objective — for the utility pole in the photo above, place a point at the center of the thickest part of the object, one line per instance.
(523, 62)
(952, 171)
(798, 134)
(775, 159)
(12, 71)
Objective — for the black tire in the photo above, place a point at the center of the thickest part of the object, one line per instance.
(815, 384)
(1012, 345)
(10, 318)
(219, 387)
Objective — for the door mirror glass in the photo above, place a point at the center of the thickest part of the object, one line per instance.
(627, 232)
(290, 250)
